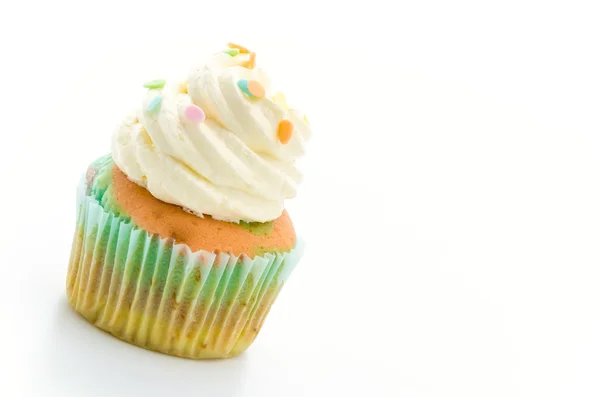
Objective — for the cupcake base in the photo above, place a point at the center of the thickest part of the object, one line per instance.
(159, 295)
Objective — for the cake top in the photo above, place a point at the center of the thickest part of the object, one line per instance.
(221, 143)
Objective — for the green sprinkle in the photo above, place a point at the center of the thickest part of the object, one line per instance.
(154, 105)
(233, 51)
(154, 84)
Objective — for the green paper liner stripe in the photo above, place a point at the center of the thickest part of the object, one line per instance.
(160, 295)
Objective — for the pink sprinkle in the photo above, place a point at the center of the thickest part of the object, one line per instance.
(194, 113)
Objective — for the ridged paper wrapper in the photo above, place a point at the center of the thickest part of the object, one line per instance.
(159, 295)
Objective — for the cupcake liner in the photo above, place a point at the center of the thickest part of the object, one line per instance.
(159, 295)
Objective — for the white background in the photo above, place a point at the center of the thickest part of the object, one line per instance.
(451, 201)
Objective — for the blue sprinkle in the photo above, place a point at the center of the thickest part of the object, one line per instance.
(154, 105)
(243, 84)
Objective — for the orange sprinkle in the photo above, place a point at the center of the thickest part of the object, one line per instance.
(252, 61)
(285, 130)
(243, 50)
(256, 89)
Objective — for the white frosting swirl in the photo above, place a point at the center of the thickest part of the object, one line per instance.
(232, 166)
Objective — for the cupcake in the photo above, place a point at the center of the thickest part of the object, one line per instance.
(182, 242)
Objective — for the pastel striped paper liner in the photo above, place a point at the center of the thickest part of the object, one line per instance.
(161, 296)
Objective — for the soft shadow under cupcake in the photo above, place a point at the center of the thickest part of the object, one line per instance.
(83, 360)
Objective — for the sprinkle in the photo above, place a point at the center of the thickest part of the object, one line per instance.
(243, 84)
(154, 105)
(155, 84)
(252, 88)
(256, 89)
(183, 89)
(194, 113)
(243, 50)
(280, 99)
(285, 130)
(306, 119)
(233, 51)
(252, 61)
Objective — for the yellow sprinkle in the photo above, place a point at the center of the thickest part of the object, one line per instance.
(306, 119)
(280, 99)
(243, 50)
(252, 61)
(183, 89)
